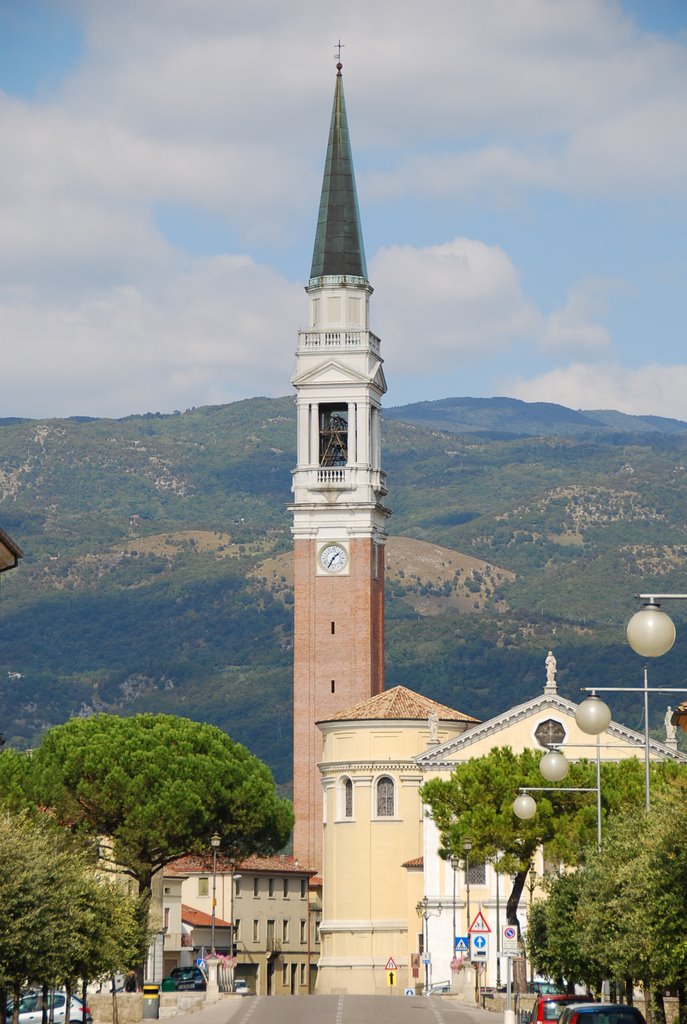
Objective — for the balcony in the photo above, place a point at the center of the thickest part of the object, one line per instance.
(317, 340)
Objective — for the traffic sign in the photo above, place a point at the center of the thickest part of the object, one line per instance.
(391, 965)
(509, 939)
(409, 992)
(479, 926)
(391, 978)
(480, 947)
(462, 944)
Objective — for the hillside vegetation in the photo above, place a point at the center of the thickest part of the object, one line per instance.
(157, 569)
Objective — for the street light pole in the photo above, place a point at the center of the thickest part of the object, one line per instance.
(215, 840)
(454, 865)
(422, 910)
(467, 846)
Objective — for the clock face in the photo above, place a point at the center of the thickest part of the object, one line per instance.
(333, 558)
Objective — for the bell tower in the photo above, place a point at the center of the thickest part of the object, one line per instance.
(338, 485)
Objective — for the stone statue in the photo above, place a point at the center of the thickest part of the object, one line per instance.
(433, 722)
(670, 728)
(550, 669)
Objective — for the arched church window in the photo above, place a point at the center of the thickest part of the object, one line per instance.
(385, 797)
(348, 798)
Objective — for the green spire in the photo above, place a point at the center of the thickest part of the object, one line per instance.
(339, 240)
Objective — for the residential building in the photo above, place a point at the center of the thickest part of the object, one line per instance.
(273, 909)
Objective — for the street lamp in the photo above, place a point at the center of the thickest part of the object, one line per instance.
(454, 862)
(232, 955)
(467, 846)
(422, 910)
(650, 632)
(215, 840)
(554, 767)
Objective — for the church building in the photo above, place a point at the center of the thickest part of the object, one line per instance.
(361, 754)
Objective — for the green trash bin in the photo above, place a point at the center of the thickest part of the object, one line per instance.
(151, 1002)
(168, 985)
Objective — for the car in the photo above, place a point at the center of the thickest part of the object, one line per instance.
(601, 1013)
(550, 1007)
(31, 1008)
(187, 979)
(439, 988)
(241, 987)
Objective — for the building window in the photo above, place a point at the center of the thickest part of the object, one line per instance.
(304, 932)
(285, 974)
(270, 887)
(237, 884)
(477, 875)
(286, 888)
(203, 886)
(237, 928)
(385, 797)
(304, 888)
(302, 975)
(256, 930)
(348, 798)
(285, 930)
(317, 932)
(256, 886)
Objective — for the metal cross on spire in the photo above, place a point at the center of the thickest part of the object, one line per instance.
(339, 46)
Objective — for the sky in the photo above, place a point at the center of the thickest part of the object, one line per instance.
(521, 170)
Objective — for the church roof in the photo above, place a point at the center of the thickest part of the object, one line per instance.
(339, 240)
(402, 704)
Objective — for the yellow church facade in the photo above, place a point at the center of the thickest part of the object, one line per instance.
(381, 846)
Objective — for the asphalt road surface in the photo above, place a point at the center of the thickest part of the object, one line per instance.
(396, 1009)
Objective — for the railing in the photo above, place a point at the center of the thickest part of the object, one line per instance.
(339, 339)
(273, 945)
(331, 476)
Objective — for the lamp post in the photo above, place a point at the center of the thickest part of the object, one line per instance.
(467, 846)
(232, 945)
(554, 767)
(422, 910)
(454, 864)
(215, 840)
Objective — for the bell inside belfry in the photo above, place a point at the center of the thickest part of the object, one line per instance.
(333, 435)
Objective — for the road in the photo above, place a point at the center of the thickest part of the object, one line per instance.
(396, 1009)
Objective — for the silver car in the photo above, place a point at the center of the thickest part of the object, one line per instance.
(31, 1009)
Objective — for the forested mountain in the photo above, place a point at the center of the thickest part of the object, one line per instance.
(157, 569)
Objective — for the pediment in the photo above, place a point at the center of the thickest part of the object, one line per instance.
(547, 718)
(331, 373)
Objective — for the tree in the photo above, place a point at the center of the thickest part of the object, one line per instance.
(58, 920)
(477, 802)
(554, 943)
(157, 787)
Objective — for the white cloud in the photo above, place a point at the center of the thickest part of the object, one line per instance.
(215, 333)
(647, 390)
(457, 301)
(574, 327)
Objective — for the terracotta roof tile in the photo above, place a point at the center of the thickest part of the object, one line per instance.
(416, 862)
(199, 919)
(269, 865)
(399, 703)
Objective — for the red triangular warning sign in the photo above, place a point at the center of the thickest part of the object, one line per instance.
(479, 926)
(391, 965)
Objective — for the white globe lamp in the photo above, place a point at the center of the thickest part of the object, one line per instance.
(554, 766)
(593, 716)
(524, 807)
(650, 632)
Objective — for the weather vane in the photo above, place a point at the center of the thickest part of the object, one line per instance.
(339, 46)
